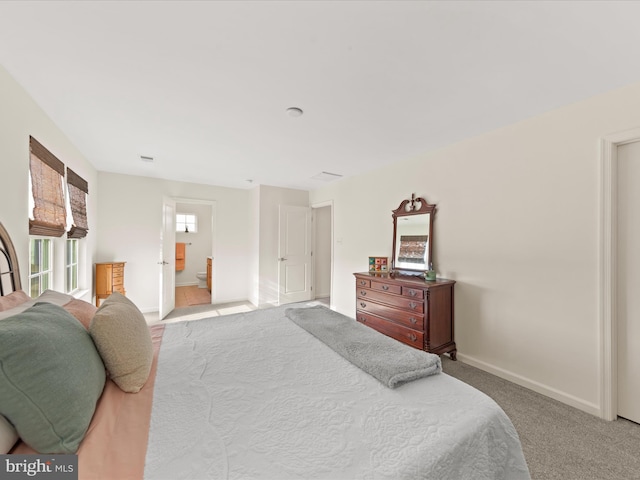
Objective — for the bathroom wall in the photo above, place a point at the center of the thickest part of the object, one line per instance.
(198, 245)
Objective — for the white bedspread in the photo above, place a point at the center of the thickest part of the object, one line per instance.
(254, 396)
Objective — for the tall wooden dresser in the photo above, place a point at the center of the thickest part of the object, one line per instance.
(109, 279)
(409, 309)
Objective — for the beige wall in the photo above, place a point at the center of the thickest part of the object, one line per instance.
(21, 117)
(130, 213)
(517, 225)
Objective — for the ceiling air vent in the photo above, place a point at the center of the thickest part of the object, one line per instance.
(326, 176)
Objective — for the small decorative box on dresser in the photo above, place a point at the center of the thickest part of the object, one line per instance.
(109, 279)
(407, 308)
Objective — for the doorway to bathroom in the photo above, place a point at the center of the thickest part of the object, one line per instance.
(194, 280)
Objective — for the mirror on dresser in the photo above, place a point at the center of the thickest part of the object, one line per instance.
(412, 237)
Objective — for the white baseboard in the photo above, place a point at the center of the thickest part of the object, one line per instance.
(563, 397)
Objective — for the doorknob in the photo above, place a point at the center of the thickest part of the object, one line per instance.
(281, 259)
(163, 263)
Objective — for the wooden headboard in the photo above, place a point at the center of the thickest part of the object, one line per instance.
(9, 271)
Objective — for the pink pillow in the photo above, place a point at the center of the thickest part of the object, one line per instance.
(83, 311)
(13, 300)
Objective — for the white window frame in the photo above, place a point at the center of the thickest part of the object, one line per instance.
(41, 272)
(71, 269)
(186, 221)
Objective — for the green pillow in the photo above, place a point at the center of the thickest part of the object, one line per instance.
(51, 377)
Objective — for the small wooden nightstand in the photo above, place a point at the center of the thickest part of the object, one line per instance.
(109, 279)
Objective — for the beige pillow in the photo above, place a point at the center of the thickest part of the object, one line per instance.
(122, 337)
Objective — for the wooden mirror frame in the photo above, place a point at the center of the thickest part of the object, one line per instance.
(11, 260)
(415, 206)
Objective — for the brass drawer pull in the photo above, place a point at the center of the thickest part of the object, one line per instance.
(363, 293)
(413, 305)
(363, 305)
(363, 320)
(385, 287)
(413, 337)
(413, 320)
(412, 293)
(362, 282)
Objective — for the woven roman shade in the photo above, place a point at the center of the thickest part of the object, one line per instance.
(47, 179)
(78, 189)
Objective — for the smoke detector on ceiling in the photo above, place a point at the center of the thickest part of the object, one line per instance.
(294, 112)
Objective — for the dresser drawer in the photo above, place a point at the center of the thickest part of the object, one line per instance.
(391, 329)
(413, 292)
(405, 303)
(410, 319)
(386, 287)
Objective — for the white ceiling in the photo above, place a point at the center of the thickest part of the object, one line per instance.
(203, 86)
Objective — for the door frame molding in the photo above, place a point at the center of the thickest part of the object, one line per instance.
(608, 226)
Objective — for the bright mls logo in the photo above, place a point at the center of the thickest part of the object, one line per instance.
(49, 467)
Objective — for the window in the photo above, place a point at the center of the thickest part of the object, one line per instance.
(71, 269)
(77, 189)
(186, 222)
(41, 272)
(46, 175)
(57, 205)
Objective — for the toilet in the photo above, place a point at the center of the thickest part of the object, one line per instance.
(202, 279)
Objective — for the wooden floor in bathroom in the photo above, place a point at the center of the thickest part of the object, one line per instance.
(192, 295)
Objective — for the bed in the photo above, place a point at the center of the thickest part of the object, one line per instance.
(255, 396)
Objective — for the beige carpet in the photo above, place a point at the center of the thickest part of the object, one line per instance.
(559, 441)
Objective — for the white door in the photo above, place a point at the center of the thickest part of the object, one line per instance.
(167, 258)
(628, 281)
(294, 255)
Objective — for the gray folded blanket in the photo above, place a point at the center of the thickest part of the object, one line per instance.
(386, 359)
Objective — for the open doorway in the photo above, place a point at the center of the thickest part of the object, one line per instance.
(194, 277)
(322, 252)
